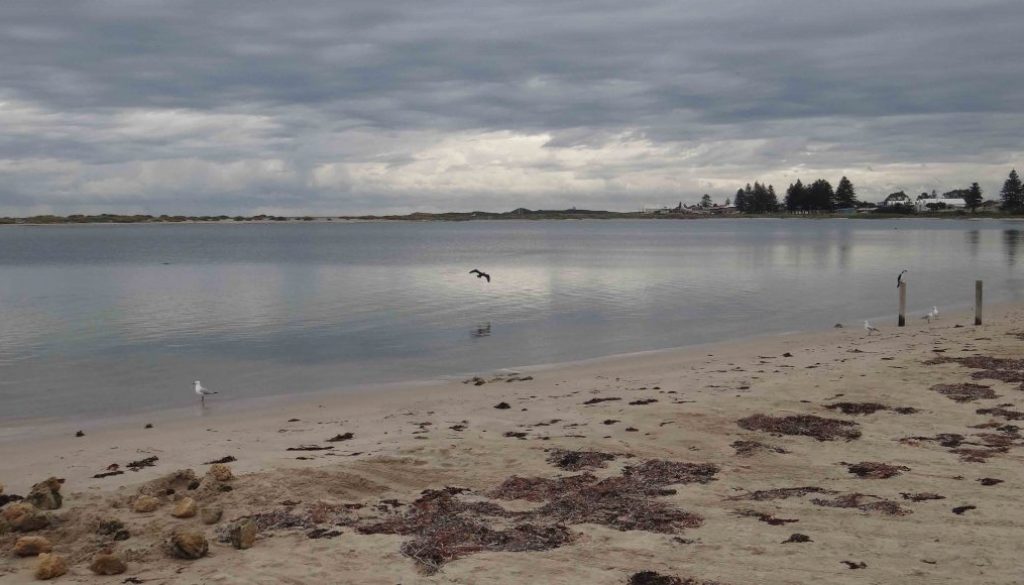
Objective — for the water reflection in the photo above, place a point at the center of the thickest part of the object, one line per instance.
(1011, 245)
(973, 242)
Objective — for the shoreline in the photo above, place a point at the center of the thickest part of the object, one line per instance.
(681, 405)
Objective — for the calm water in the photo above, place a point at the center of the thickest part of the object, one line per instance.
(106, 320)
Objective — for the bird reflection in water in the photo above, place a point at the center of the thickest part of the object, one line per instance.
(481, 330)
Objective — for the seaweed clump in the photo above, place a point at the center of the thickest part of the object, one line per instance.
(807, 425)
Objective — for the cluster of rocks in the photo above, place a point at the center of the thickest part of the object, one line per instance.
(182, 489)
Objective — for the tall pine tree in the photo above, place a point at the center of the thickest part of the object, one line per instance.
(973, 197)
(821, 196)
(796, 197)
(741, 201)
(845, 194)
(1012, 193)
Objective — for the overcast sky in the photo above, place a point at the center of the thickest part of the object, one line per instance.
(266, 106)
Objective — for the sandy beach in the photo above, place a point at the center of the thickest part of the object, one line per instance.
(906, 468)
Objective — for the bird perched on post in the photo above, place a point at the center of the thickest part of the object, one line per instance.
(899, 279)
(201, 391)
(870, 328)
(479, 274)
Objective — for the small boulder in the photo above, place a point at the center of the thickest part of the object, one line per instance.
(188, 544)
(221, 472)
(243, 534)
(24, 517)
(30, 546)
(107, 563)
(45, 495)
(50, 566)
(211, 514)
(145, 504)
(185, 508)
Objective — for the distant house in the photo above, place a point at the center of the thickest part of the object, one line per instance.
(939, 203)
(897, 198)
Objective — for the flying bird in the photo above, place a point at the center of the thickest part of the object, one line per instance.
(870, 328)
(201, 391)
(899, 279)
(479, 274)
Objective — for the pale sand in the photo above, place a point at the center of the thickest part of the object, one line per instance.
(702, 392)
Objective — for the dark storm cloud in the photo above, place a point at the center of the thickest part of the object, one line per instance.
(359, 106)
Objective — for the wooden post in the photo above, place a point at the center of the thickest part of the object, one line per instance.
(977, 302)
(903, 304)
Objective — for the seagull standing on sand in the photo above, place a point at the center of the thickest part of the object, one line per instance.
(935, 312)
(201, 391)
(870, 328)
(899, 279)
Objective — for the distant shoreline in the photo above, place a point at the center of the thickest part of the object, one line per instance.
(111, 219)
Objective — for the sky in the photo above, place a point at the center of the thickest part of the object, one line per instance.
(343, 107)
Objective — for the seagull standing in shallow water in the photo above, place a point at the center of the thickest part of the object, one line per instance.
(201, 391)
(870, 328)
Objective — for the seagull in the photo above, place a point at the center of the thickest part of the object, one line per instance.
(479, 274)
(201, 391)
(870, 328)
(935, 312)
(899, 279)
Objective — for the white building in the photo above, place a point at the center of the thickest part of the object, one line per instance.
(939, 204)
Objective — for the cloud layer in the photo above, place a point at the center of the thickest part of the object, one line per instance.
(353, 107)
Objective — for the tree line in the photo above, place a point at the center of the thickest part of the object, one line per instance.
(819, 196)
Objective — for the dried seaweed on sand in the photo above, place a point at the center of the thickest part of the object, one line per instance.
(822, 429)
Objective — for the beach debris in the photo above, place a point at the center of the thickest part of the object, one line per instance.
(854, 565)
(187, 544)
(787, 354)
(875, 470)
(864, 408)
(80, 434)
(864, 503)
(1002, 412)
(921, 497)
(609, 421)
(539, 489)
(652, 578)
(749, 448)
(50, 566)
(24, 517)
(959, 510)
(781, 493)
(107, 474)
(643, 401)
(578, 460)
(822, 429)
(502, 406)
(174, 482)
(600, 400)
(225, 459)
(113, 528)
(8, 498)
(310, 448)
(220, 472)
(323, 533)
(45, 495)
(632, 430)
(243, 533)
(965, 392)
(987, 481)
(797, 537)
(341, 437)
(185, 508)
(144, 504)
(515, 434)
(107, 563)
(148, 426)
(766, 518)
(30, 546)
(211, 514)
(142, 463)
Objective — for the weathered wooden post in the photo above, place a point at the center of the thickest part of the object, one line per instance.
(903, 304)
(977, 302)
